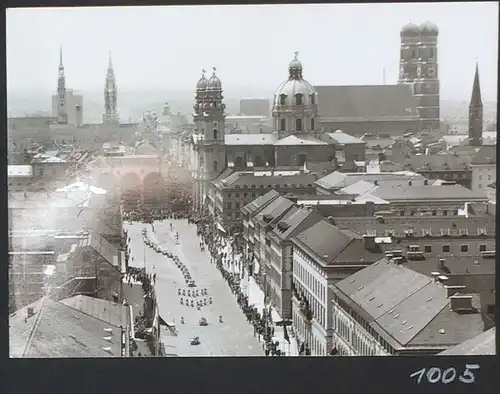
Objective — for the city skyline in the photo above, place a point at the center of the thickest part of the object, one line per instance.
(259, 59)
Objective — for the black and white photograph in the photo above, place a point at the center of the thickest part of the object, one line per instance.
(305, 180)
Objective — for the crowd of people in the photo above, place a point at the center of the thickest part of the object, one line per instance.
(262, 322)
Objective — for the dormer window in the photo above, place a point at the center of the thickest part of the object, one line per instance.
(283, 99)
(298, 99)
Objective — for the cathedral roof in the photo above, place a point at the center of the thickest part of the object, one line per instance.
(429, 29)
(410, 30)
(214, 82)
(363, 103)
(475, 100)
(202, 82)
(293, 140)
(250, 139)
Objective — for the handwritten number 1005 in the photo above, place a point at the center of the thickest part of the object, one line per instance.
(437, 375)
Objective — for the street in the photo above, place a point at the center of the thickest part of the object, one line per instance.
(233, 337)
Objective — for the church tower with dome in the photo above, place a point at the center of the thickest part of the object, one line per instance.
(295, 106)
(419, 68)
(209, 135)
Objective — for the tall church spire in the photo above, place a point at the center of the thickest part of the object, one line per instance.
(62, 115)
(476, 90)
(476, 113)
(110, 95)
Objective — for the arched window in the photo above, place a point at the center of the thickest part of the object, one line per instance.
(312, 124)
(237, 187)
(215, 165)
(298, 124)
(313, 99)
(253, 186)
(216, 134)
(202, 161)
(283, 99)
(245, 186)
(298, 99)
(294, 185)
(282, 124)
(285, 185)
(269, 187)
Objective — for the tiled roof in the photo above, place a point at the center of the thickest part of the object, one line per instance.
(343, 138)
(57, 330)
(398, 224)
(408, 306)
(249, 139)
(115, 314)
(485, 155)
(358, 103)
(342, 179)
(295, 220)
(483, 344)
(242, 179)
(293, 140)
(415, 192)
(335, 246)
(275, 209)
(360, 187)
(260, 202)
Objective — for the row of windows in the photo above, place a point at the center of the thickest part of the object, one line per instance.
(309, 280)
(434, 212)
(298, 99)
(298, 124)
(319, 312)
(481, 177)
(316, 346)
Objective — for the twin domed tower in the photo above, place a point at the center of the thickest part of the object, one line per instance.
(419, 68)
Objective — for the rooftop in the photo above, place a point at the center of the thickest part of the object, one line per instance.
(260, 202)
(486, 155)
(343, 138)
(295, 219)
(398, 192)
(421, 226)
(59, 330)
(437, 163)
(343, 179)
(483, 344)
(249, 139)
(274, 210)
(365, 103)
(293, 140)
(335, 246)
(263, 179)
(17, 171)
(410, 307)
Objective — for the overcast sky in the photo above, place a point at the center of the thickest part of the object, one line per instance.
(166, 47)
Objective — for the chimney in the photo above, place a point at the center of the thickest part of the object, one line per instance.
(435, 275)
(369, 242)
(375, 183)
(293, 198)
(79, 115)
(30, 311)
(453, 290)
(426, 182)
(267, 218)
(461, 303)
(409, 183)
(369, 208)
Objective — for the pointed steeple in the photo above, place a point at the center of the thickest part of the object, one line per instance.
(475, 100)
(476, 113)
(60, 58)
(62, 116)
(110, 95)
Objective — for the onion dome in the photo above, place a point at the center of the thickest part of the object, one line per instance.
(295, 85)
(214, 82)
(410, 30)
(429, 29)
(202, 83)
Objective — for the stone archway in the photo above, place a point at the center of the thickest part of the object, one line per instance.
(154, 190)
(130, 185)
